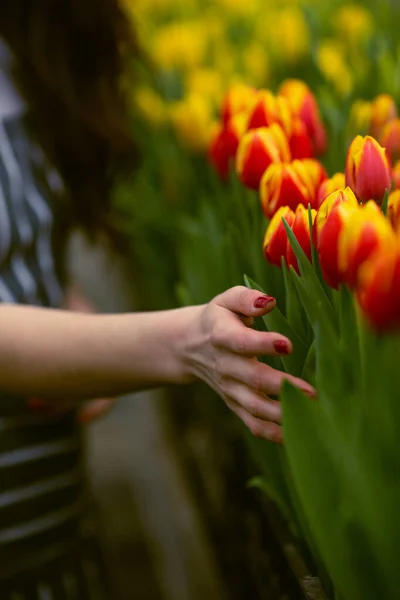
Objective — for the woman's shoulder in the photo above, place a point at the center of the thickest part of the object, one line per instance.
(11, 102)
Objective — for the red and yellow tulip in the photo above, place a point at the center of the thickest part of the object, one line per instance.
(368, 231)
(258, 149)
(368, 171)
(333, 199)
(288, 184)
(390, 139)
(268, 109)
(305, 107)
(383, 110)
(299, 141)
(225, 142)
(316, 170)
(328, 186)
(328, 241)
(301, 229)
(275, 240)
(378, 289)
(238, 99)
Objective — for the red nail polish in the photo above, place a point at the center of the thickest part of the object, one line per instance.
(281, 347)
(262, 301)
(310, 393)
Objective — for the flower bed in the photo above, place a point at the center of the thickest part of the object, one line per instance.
(289, 176)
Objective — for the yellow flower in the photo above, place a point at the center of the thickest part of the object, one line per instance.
(214, 25)
(256, 64)
(353, 23)
(150, 106)
(206, 82)
(193, 123)
(225, 59)
(238, 8)
(179, 46)
(360, 117)
(286, 30)
(332, 63)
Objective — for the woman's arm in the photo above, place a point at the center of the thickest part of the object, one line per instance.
(76, 300)
(53, 353)
(59, 354)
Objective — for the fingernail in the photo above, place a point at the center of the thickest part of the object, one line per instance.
(281, 347)
(262, 301)
(309, 392)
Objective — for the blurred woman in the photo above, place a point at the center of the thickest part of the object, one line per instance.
(64, 144)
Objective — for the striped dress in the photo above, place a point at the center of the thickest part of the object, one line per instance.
(48, 550)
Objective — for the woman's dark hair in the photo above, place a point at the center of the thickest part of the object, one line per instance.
(70, 59)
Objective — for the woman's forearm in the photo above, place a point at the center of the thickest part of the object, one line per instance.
(55, 353)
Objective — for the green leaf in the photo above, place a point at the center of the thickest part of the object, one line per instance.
(308, 373)
(322, 467)
(271, 460)
(312, 294)
(261, 483)
(343, 481)
(294, 308)
(349, 338)
(315, 313)
(385, 203)
(275, 321)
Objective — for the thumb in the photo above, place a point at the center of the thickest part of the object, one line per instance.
(245, 302)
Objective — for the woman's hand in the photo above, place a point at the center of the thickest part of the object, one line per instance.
(95, 356)
(222, 350)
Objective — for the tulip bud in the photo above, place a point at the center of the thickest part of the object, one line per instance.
(368, 171)
(378, 289)
(258, 149)
(287, 184)
(238, 99)
(225, 142)
(383, 110)
(396, 175)
(328, 186)
(304, 106)
(268, 109)
(316, 170)
(275, 240)
(368, 231)
(390, 140)
(393, 212)
(337, 197)
(301, 229)
(328, 242)
(299, 141)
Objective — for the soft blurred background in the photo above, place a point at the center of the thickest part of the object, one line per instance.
(170, 468)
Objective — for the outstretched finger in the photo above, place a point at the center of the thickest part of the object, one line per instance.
(260, 429)
(256, 404)
(233, 337)
(258, 376)
(243, 301)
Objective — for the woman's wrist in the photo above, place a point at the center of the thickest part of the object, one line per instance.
(183, 329)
